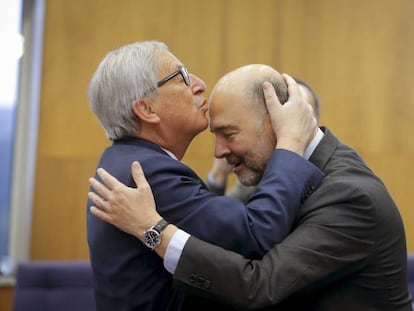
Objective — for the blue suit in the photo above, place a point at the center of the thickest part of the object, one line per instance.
(129, 276)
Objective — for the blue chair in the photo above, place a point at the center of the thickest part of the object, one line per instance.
(54, 285)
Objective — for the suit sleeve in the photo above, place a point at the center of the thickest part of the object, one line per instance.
(241, 192)
(250, 229)
(315, 254)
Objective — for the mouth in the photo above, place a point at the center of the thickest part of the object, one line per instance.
(236, 165)
(237, 168)
(203, 106)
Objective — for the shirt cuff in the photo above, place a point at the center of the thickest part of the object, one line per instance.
(174, 250)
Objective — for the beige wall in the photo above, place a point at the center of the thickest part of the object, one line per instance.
(357, 54)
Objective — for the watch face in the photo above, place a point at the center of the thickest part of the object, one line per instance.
(152, 238)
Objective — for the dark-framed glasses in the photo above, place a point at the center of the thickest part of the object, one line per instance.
(181, 71)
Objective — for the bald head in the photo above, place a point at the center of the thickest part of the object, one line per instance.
(239, 119)
(246, 82)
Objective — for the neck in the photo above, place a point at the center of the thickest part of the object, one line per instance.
(176, 144)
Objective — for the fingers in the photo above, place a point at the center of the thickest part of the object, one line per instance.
(101, 210)
(293, 123)
(271, 99)
(100, 214)
(109, 181)
(293, 87)
(98, 201)
(105, 187)
(102, 192)
(272, 103)
(100, 188)
(110, 192)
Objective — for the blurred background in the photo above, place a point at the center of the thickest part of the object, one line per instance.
(357, 55)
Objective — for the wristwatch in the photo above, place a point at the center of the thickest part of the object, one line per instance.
(152, 236)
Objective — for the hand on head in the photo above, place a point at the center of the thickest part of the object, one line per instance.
(130, 209)
(293, 122)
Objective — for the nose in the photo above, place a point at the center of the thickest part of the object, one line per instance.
(220, 148)
(197, 85)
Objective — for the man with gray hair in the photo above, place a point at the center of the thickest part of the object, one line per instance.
(151, 108)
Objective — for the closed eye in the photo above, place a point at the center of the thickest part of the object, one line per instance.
(228, 133)
(230, 136)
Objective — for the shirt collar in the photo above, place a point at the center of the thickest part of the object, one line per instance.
(313, 144)
(169, 153)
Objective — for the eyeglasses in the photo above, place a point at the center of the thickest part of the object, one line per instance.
(181, 71)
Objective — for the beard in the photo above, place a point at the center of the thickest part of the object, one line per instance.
(250, 176)
(250, 170)
(253, 162)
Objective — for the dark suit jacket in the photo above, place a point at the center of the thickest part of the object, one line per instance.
(129, 276)
(346, 251)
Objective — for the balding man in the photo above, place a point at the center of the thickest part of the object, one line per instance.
(346, 250)
(218, 175)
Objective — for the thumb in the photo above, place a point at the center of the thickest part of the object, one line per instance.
(138, 174)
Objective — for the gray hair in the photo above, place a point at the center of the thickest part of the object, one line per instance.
(124, 76)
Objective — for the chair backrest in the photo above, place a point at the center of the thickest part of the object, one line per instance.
(54, 285)
(410, 270)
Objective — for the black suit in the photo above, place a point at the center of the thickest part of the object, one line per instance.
(346, 251)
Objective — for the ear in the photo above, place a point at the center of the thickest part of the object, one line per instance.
(145, 111)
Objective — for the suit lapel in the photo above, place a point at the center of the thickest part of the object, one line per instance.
(324, 151)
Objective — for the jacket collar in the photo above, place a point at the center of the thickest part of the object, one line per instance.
(324, 150)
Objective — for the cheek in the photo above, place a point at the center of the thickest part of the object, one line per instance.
(243, 149)
(249, 142)
(194, 118)
(266, 139)
(263, 148)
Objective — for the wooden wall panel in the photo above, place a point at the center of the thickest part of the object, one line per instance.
(59, 221)
(356, 54)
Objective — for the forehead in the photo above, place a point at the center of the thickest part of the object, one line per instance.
(229, 108)
(168, 63)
